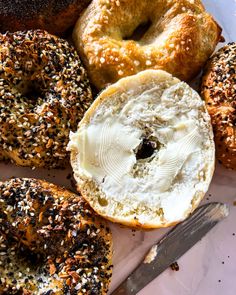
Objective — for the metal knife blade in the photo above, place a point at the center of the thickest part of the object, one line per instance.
(172, 246)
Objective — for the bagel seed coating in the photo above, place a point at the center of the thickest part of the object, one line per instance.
(51, 242)
(219, 92)
(44, 92)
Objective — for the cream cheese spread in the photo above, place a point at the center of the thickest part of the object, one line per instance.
(168, 179)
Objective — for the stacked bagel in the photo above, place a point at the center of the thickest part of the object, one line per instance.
(142, 152)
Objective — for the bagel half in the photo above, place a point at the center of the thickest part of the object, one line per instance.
(143, 155)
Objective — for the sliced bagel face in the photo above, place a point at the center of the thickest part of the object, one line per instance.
(143, 155)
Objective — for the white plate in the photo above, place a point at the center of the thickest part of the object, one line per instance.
(209, 268)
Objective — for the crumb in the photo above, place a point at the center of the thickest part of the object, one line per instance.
(151, 255)
(175, 266)
(69, 176)
(234, 203)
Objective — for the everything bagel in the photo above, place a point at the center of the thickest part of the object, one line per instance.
(177, 36)
(44, 92)
(51, 242)
(219, 92)
(54, 16)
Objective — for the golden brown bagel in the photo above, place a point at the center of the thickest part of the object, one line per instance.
(54, 16)
(179, 37)
(219, 92)
(144, 154)
(51, 242)
(44, 92)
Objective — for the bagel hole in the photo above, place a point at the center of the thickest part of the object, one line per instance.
(147, 148)
(30, 259)
(139, 32)
(31, 91)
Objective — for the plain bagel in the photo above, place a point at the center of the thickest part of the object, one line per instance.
(121, 38)
(143, 154)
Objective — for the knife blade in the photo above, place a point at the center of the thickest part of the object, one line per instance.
(172, 246)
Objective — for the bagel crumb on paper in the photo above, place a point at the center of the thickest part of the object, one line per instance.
(143, 155)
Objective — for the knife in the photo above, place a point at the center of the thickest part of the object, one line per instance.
(172, 246)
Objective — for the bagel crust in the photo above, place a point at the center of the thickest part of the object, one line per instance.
(219, 91)
(54, 16)
(51, 242)
(44, 92)
(180, 36)
(143, 154)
